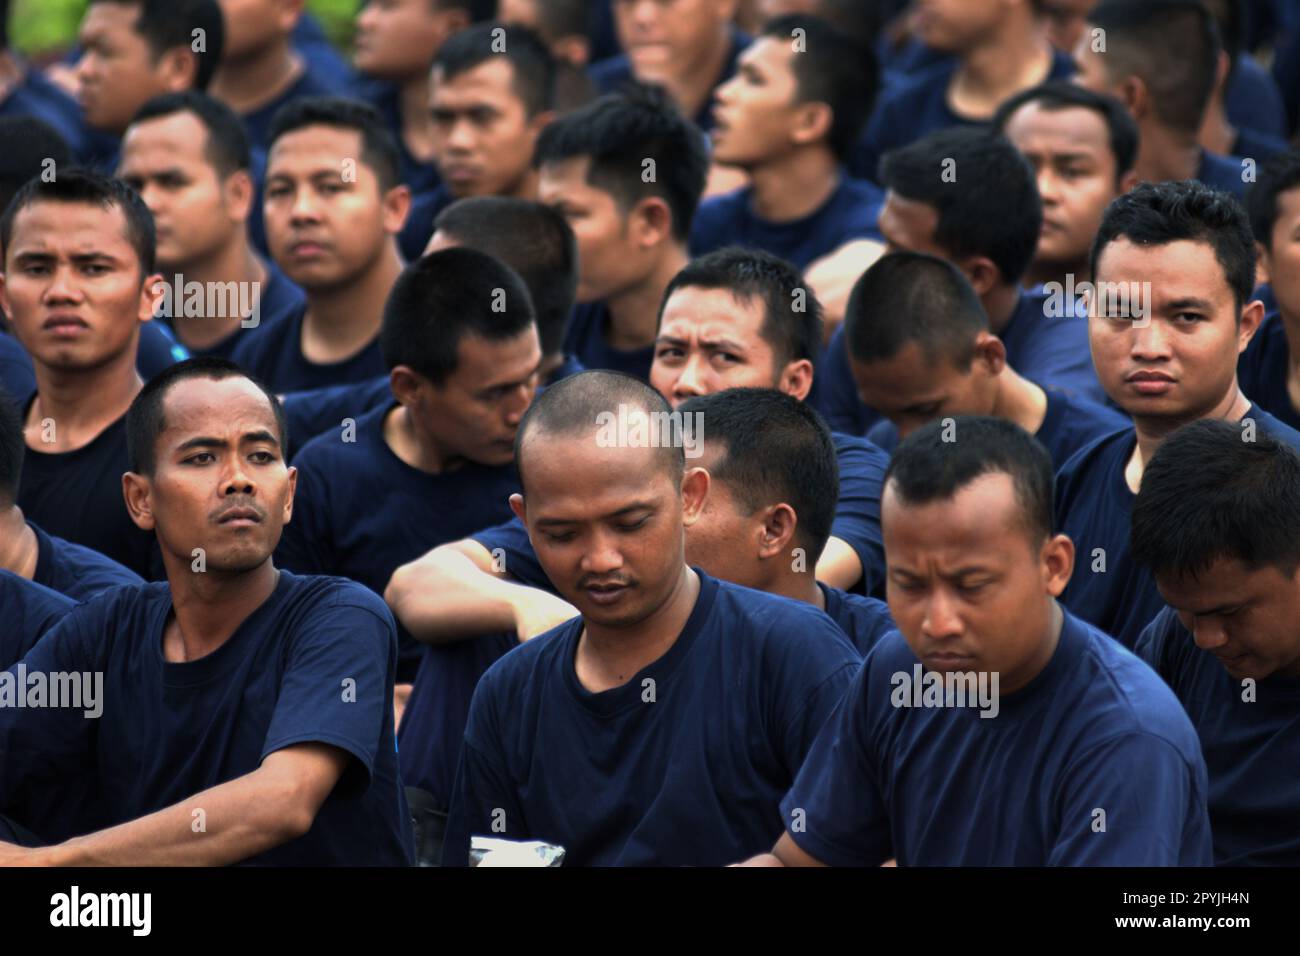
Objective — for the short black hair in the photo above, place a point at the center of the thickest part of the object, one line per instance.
(1057, 95)
(13, 448)
(84, 186)
(1172, 45)
(792, 314)
(378, 148)
(1209, 495)
(29, 142)
(531, 238)
(619, 133)
(478, 10)
(443, 297)
(574, 404)
(928, 466)
(531, 62)
(913, 297)
(145, 421)
(227, 148)
(861, 21)
(166, 24)
(1278, 175)
(989, 205)
(774, 448)
(832, 68)
(1156, 214)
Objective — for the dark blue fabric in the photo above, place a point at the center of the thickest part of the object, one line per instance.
(864, 619)
(944, 786)
(1069, 424)
(1263, 370)
(1260, 147)
(692, 777)
(1253, 100)
(314, 81)
(849, 213)
(279, 297)
(315, 412)
(275, 356)
(1222, 172)
(157, 350)
(584, 339)
(1286, 73)
(16, 374)
(1094, 506)
(1247, 740)
(418, 228)
(75, 570)
(310, 40)
(37, 97)
(313, 664)
(30, 610)
(387, 99)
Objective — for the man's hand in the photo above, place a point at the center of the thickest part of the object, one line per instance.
(537, 611)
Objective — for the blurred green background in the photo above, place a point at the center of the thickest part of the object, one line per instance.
(43, 27)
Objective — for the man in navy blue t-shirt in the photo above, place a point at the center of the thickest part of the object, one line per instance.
(1174, 265)
(333, 210)
(188, 157)
(30, 610)
(989, 229)
(1218, 523)
(234, 713)
(662, 726)
(943, 361)
(632, 229)
(994, 728)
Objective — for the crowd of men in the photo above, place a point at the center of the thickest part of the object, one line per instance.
(683, 432)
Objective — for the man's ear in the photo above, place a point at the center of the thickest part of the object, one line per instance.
(814, 123)
(293, 491)
(652, 221)
(777, 536)
(982, 273)
(1135, 94)
(240, 192)
(178, 69)
(695, 490)
(1058, 563)
(405, 383)
(397, 203)
(990, 353)
(796, 379)
(151, 295)
(137, 492)
(1262, 272)
(517, 506)
(1127, 181)
(1251, 317)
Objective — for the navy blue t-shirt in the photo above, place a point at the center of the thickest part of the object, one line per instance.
(1260, 147)
(864, 619)
(338, 529)
(37, 97)
(157, 350)
(947, 786)
(584, 339)
(1047, 348)
(312, 82)
(1222, 172)
(920, 106)
(682, 765)
(75, 570)
(315, 412)
(850, 213)
(1249, 741)
(279, 297)
(1263, 370)
(1253, 101)
(311, 41)
(1093, 507)
(16, 374)
(418, 228)
(1069, 424)
(386, 97)
(30, 610)
(313, 664)
(275, 356)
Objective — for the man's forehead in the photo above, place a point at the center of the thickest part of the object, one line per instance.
(712, 314)
(492, 78)
(1074, 125)
(1175, 270)
(79, 227)
(216, 406)
(317, 145)
(179, 134)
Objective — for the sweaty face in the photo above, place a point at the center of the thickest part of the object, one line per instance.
(756, 108)
(476, 412)
(483, 137)
(1070, 152)
(956, 25)
(1283, 258)
(164, 160)
(967, 587)
(117, 72)
(606, 524)
(1179, 362)
(911, 390)
(608, 261)
(663, 38)
(1245, 617)
(220, 482)
(73, 286)
(326, 219)
(397, 39)
(708, 341)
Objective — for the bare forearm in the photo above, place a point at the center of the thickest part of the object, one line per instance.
(445, 597)
(839, 566)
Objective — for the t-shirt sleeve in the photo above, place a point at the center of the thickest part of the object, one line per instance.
(1133, 800)
(318, 410)
(511, 538)
(857, 512)
(307, 543)
(337, 685)
(835, 812)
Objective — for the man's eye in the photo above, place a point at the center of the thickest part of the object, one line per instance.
(262, 457)
(559, 538)
(94, 269)
(202, 458)
(727, 357)
(669, 351)
(634, 526)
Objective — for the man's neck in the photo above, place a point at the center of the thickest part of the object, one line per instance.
(1041, 273)
(691, 90)
(1151, 431)
(610, 657)
(1014, 59)
(634, 313)
(417, 124)
(1000, 302)
(1020, 400)
(82, 403)
(405, 440)
(254, 81)
(234, 262)
(1166, 154)
(210, 607)
(19, 550)
(794, 186)
(1218, 135)
(340, 323)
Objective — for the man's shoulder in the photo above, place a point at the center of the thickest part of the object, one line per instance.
(256, 350)
(859, 451)
(775, 624)
(1273, 426)
(1100, 453)
(329, 592)
(329, 450)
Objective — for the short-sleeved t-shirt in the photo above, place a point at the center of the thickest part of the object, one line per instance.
(1248, 737)
(278, 297)
(1222, 172)
(682, 765)
(864, 619)
(30, 610)
(584, 339)
(37, 97)
(313, 664)
(1094, 507)
(848, 214)
(1264, 368)
(318, 410)
(1253, 101)
(157, 349)
(934, 785)
(275, 356)
(75, 570)
(312, 82)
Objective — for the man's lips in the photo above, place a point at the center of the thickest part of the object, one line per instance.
(307, 247)
(65, 325)
(240, 517)
(604, 593)
(1150, 382)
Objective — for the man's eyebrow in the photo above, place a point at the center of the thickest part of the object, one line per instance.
(1188, 302)
(728, 344)
(639, 506)
(494, 386)
(207, 441)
